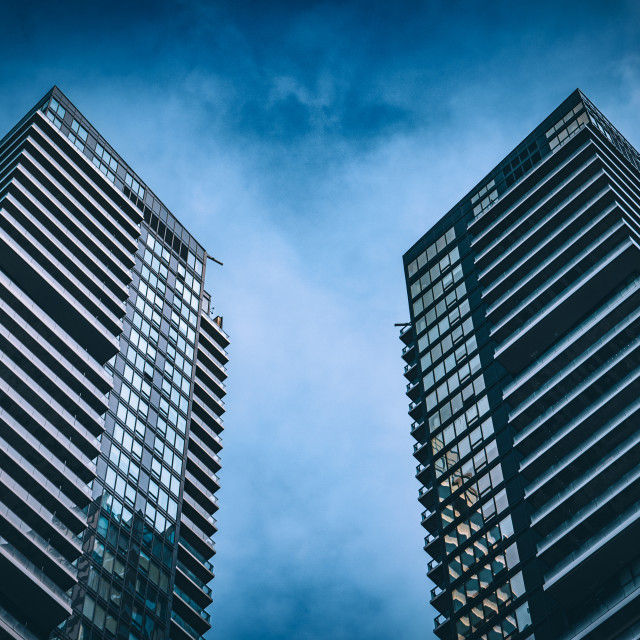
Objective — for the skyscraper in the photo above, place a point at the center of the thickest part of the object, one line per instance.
(522, 366)
(112, 369)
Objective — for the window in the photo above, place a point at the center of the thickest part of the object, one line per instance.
(78, 135)
(484, 198)
(431, 252)
(56, 112)
(435, 272)
(148, 311)
(105, 162)
(156, 245)
(136, 188)
(567, 126)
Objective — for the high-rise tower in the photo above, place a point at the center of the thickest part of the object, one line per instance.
(111, 384)
(522, 360)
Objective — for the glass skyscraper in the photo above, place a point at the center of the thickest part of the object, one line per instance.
(522, 364)
(112, 376)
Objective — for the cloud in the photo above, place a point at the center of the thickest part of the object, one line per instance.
(308, 145)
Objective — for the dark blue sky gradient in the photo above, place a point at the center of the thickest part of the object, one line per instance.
(308, 145)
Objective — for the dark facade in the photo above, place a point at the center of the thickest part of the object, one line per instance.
(522, 361)
(111, 372)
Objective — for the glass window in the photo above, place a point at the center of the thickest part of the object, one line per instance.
(88, 607)
(523, 616)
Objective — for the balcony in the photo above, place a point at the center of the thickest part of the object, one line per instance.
(597, 454)
(205, 395)
(419, 430)
(196, 580)
(20, 322)
(409, 352)
(415, 409)
(436, 571)
(432, 545)
(413, 389)
(421, 451)
(25, 540)
(552, 264)
(430, 520)
(192, 558)
(209, 378)
(202, 613)
(116, 212)
(207, 416)
(66, 249)
(181, 630)
(216, 331)
(195, 536)
(190, 583)
(15, 628)
(551, 448)
(530, 193)
(204, 451)
(406, 334)
(115, 250)
(620, 313)
(411, 370)
(540, 330)
(197, 491)
(211, 361)
(37, 517)
(423, 491)
(190, 611)
(442, 626)
(202, 471)
(25, 312)
(537, 246)
(205, 433)
(200, 517)
(30, 584)
(71, 477)
(602, 555)
(214, 350)
(439, 599)
(423, 474)
(81, 315)
(25, 396)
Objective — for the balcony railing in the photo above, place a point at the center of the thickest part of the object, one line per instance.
(414, 405)
(412, 385)
(197, 554)
(418, 445)
(194, 577)
(192, 603)
(422, 491)
(439, 620)
(410, 365)
(415, 425)
(420, 468)
(185, 625)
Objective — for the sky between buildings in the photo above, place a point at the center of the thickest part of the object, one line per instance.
(308, 145)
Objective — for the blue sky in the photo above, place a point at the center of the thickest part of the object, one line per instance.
(309, 145)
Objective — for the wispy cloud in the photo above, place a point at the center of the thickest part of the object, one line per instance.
(308, 145)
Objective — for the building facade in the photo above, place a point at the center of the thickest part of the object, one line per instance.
(112, 372)
(522, 365)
